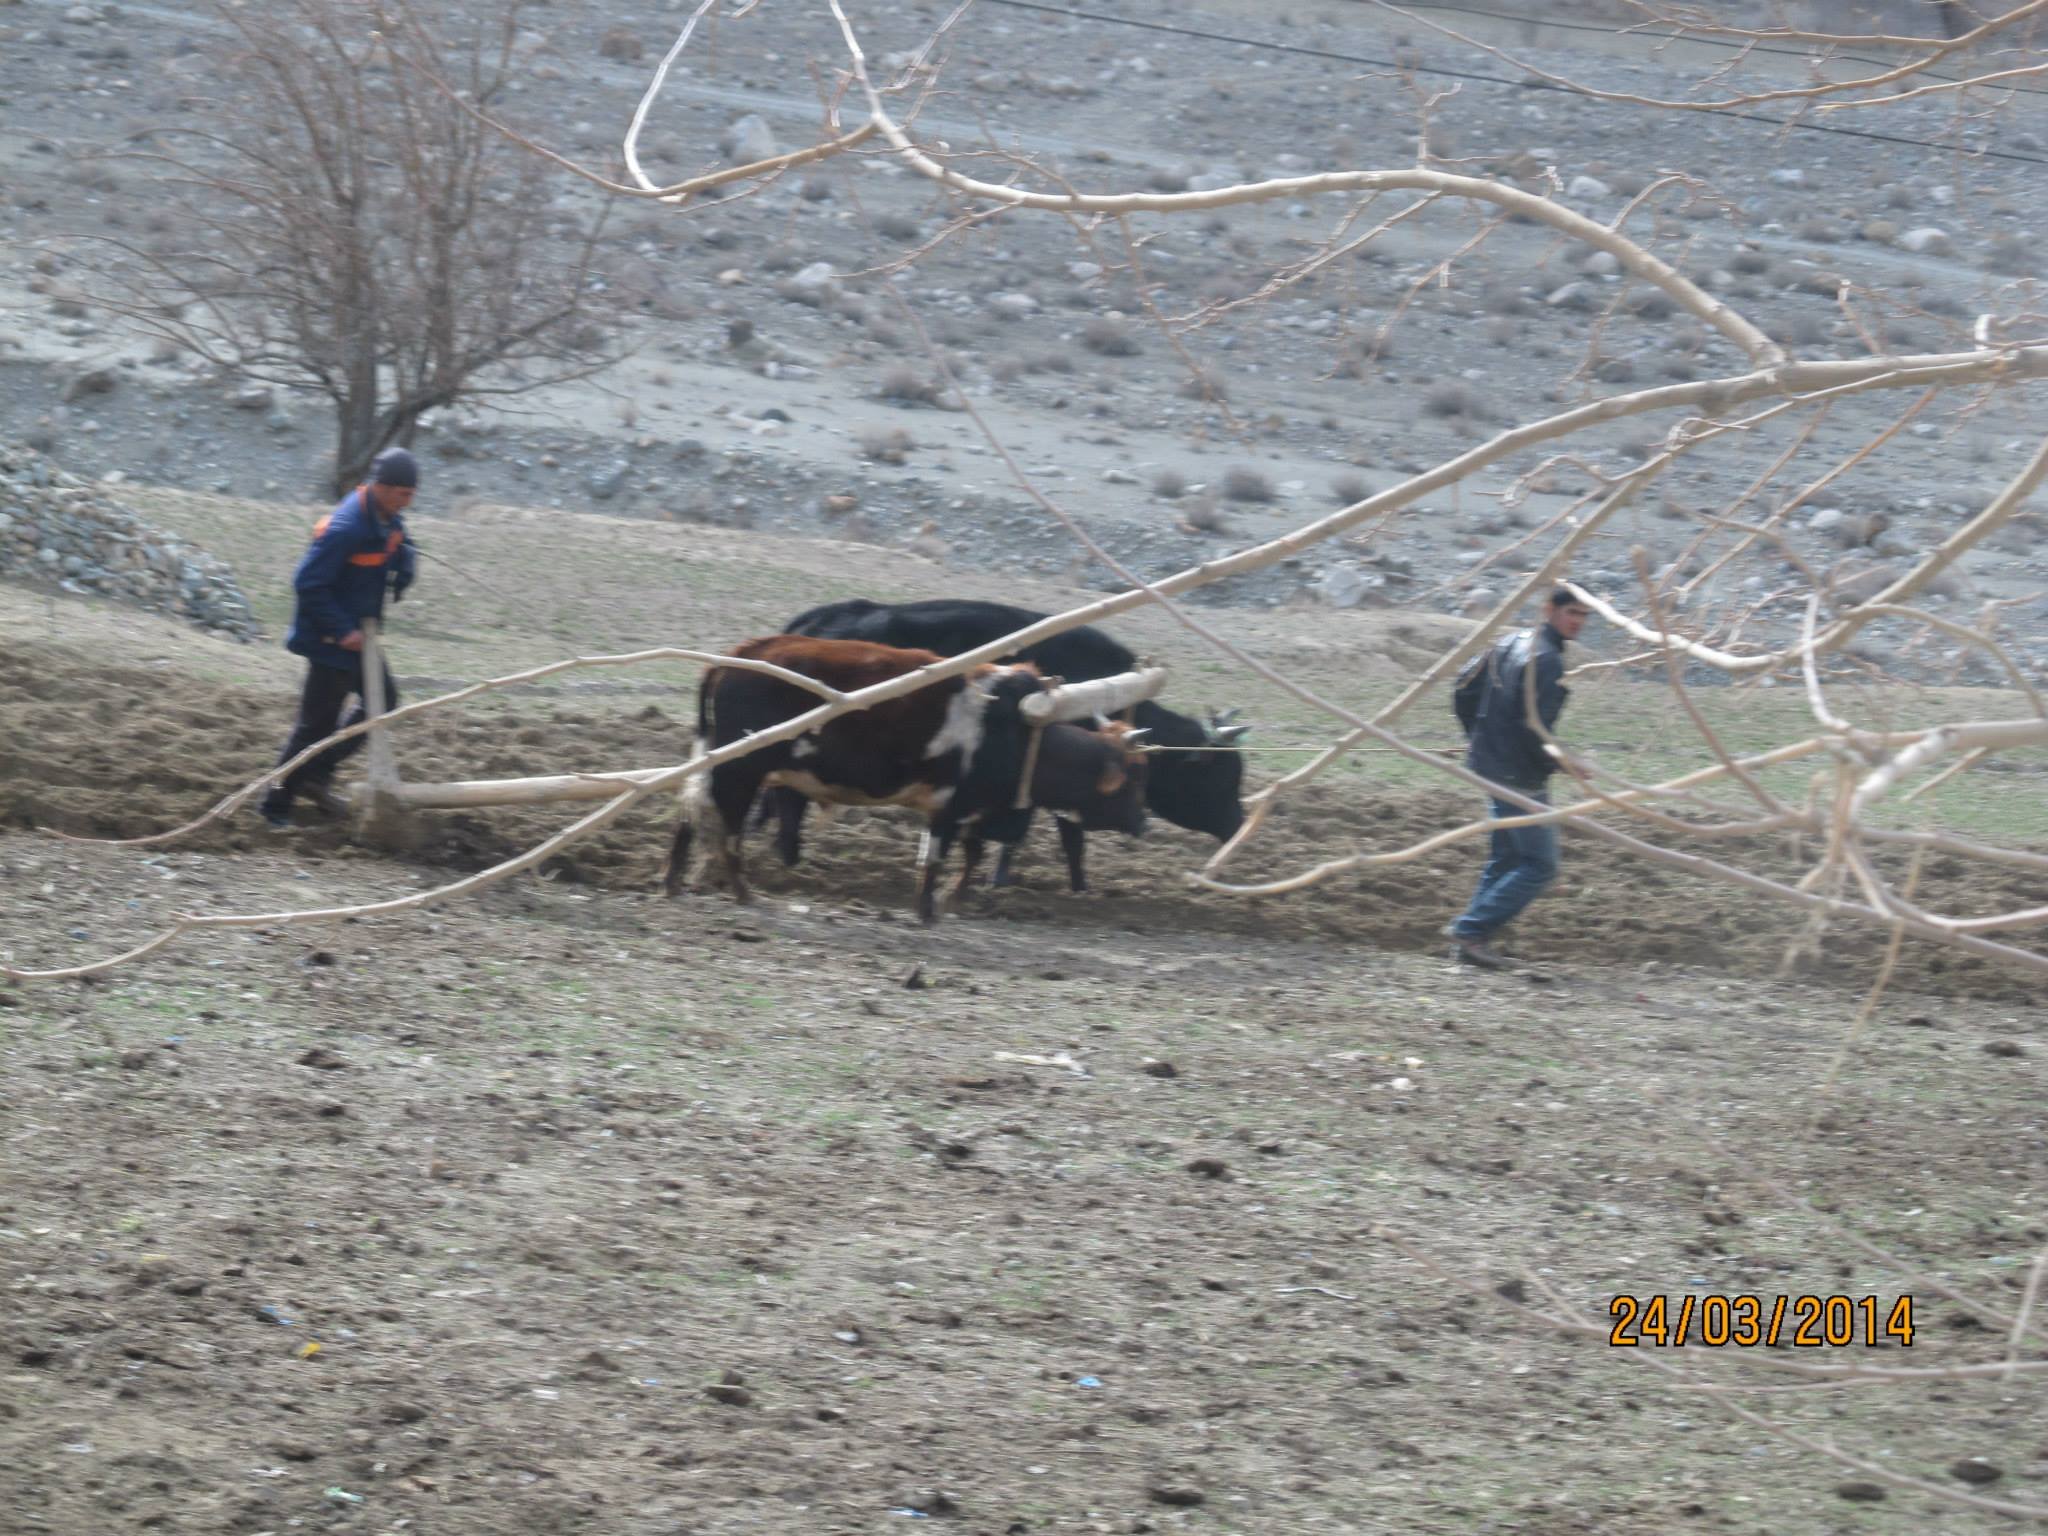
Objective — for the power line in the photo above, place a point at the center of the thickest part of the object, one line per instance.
(1305, 51)
(1725, 45)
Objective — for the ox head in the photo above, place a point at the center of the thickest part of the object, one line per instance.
(1199, 788)
(1118, 804)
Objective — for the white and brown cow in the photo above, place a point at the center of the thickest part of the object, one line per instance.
(954, 750)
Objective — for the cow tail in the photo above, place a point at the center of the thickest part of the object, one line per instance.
(695, 794)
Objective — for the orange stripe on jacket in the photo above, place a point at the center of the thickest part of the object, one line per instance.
(391, 542)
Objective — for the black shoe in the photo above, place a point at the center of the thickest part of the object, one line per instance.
(328, 800)
(279, 821)
(1474, 952)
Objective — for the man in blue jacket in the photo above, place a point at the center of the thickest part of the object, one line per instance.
(356, 549)
(1494, 698)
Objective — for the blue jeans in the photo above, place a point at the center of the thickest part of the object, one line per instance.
(1523, 863)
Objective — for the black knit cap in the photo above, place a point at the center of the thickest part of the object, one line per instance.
(394, 466)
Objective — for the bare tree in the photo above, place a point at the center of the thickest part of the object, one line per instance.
(349, 229)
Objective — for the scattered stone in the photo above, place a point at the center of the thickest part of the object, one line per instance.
(1209, 1168)
(1570, 296)
(57, 530)
(1975, 1470)
(1161, 1069)
(1788, 176)
(1176, 1494)
(1857, 1492)
(749, 139)
(321, 1059)
(622, 44)
(606, 483)
(1515, 1290)
(403, 1412)
(2003, 1048)
(1927, 241)
(1600, 264)
(731, 1390)
(1348, 585)
(256, 397)
(914, 979)
(1587, 189)
(91, 381)
(815, 280)
(596, 1365)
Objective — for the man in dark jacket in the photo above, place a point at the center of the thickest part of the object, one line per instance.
(356, 549)
(1495, 699)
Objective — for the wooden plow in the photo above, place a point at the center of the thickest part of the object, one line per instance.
(387, 796)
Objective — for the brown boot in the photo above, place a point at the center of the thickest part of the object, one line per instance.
(1474, 952)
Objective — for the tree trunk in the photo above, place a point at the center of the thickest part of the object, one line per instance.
(360, 433)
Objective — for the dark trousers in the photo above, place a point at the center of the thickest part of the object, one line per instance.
(320, 702)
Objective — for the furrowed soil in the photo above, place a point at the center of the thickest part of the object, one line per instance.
(1152, 1210)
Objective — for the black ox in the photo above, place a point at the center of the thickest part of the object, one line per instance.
(1194, 775)
(957, 750)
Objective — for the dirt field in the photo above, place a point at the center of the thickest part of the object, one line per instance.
(1128, 1213)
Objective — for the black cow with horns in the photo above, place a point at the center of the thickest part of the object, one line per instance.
(1197, 789)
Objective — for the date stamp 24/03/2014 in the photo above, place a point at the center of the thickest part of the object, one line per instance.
(1745, 1321)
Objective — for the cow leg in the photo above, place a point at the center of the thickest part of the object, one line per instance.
(1006, 854)
(971, 849)
(678, 865)
(733, 788)
(932, 849)
(1073, 843)
(789, 808)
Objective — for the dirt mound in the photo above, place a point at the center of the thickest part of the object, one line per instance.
(122, 751)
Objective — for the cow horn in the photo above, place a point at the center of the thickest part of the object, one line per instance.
(1228, 735)
(1217, 722)
(1135, 739)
